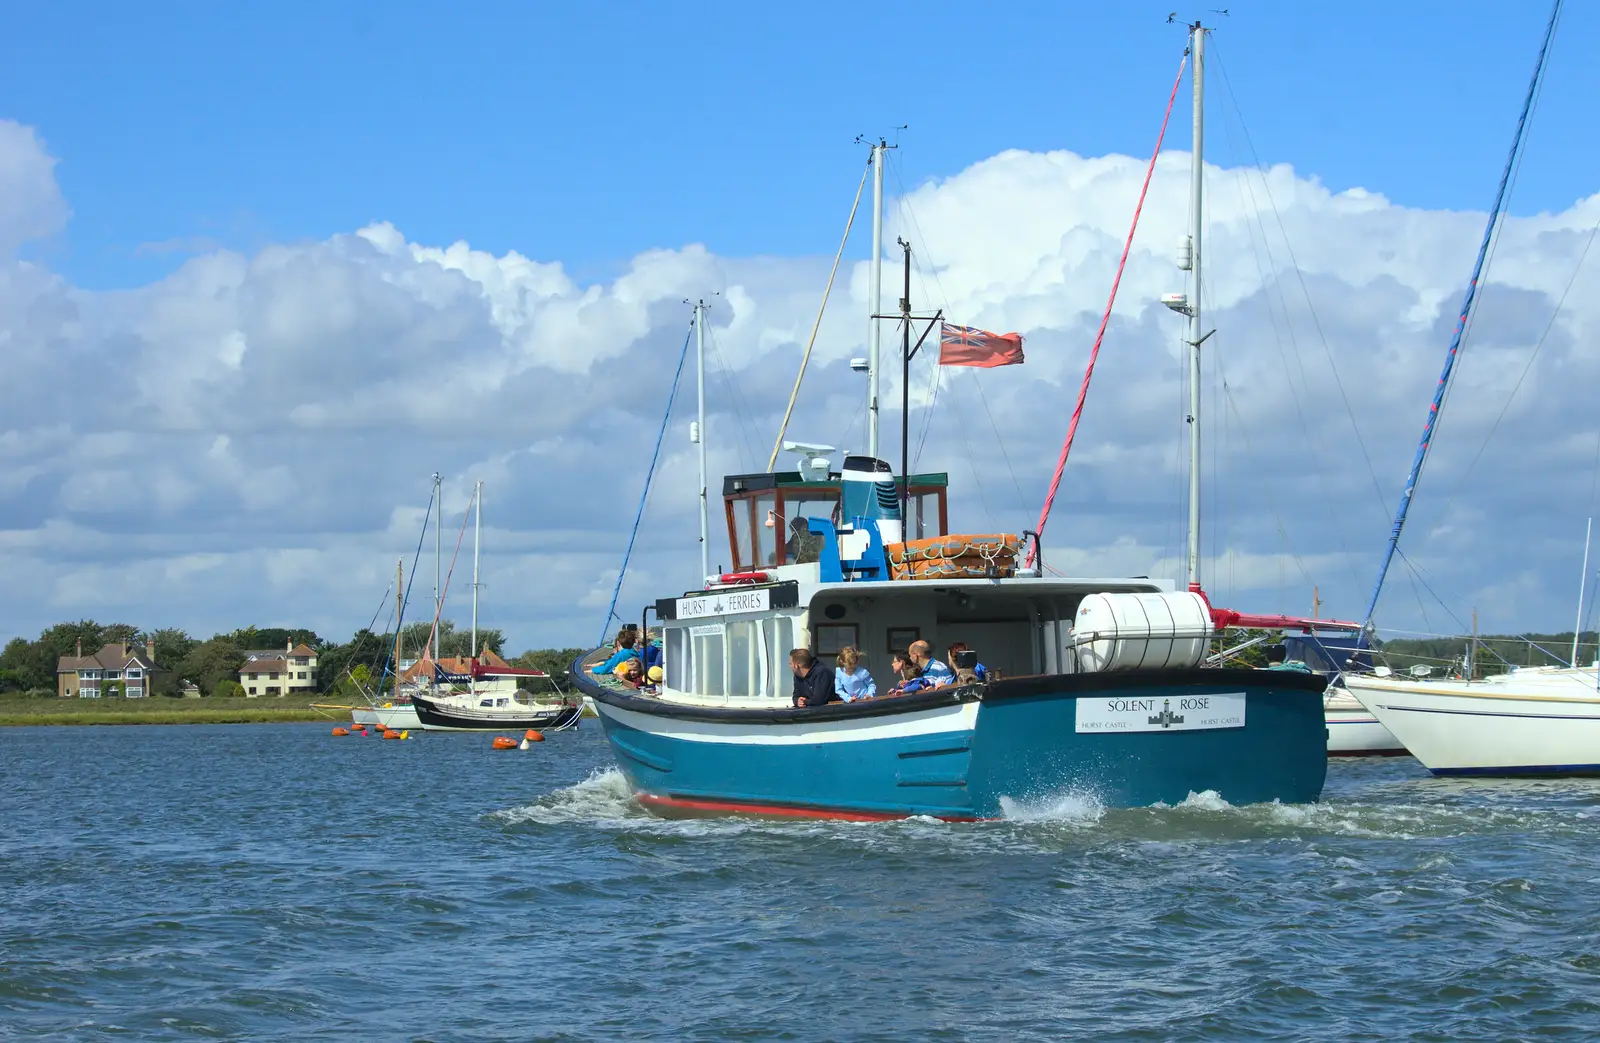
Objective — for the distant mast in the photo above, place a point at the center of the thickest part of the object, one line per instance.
(399, 609)
(438, 562)
(477, 538)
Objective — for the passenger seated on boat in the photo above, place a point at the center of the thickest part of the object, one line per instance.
(813, 680)
(630, 673)
(803, 545)
(978, 672)
(650, 646)
(938, 674)
(911, 680)
(1278, 659)
(852, 681)
(654, 676)
(622, 650)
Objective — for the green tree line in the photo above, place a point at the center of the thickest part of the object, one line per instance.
(212, 665)
(1496, 652)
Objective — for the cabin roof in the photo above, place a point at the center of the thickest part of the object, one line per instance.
(734, 484)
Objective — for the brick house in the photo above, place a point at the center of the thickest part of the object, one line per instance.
(84, 676)
(279, 673)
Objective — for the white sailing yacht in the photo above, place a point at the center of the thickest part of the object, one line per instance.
(1538, 721)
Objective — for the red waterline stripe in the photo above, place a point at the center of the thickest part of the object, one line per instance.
(784, 811)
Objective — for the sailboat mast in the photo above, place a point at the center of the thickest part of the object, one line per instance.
(477, 538)
(700, 434)
(438, 561)
(1583, 579)
(399, 610)
(875, 298)
(1197, 35)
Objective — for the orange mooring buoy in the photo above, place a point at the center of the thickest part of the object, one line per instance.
(341, 731)
(533, 735)
(503, 743)
(390, 733)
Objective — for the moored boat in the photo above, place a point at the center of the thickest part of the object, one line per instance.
(1538, 721)
(395, 717)
(487, 710)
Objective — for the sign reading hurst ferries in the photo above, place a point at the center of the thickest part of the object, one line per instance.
(1160, 713)
(732, 601)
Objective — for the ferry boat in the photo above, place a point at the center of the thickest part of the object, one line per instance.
(1094, 685)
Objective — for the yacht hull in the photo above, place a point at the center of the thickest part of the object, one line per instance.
(1353, 731)
(974, 752)
(1490, 729)
(435, 715)
(394, 718)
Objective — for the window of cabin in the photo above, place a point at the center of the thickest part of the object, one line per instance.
(486, 702)
(778, 634)
(799, 545)
(923, 516)
(677, 656)
(744, 666)
(706, 659)
(766, 534)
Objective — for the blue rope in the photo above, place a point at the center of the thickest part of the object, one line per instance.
(611, 613)
(1461, 321)
(405, 599)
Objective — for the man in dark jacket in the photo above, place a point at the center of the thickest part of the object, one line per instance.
(813, 681)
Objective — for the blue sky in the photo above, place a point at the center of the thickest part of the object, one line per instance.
(588, 133)
(270, 266)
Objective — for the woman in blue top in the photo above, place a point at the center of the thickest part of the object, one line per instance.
(624, 651)
(851, 680)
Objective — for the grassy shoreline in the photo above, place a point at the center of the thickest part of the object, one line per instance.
(157, 710)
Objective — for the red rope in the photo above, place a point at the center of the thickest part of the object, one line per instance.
(1105, 319)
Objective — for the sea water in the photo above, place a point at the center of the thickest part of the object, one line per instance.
(272, 882)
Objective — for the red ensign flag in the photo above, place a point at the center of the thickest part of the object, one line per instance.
(970, 346)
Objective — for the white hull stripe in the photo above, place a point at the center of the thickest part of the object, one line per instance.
(963, 717)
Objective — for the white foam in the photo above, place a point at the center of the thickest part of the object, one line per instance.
(604, 796)
(1206, 800)
(1074, 807)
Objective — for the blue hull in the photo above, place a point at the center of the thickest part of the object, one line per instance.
(957, 754)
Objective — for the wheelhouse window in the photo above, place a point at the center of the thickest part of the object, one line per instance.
(766, 515)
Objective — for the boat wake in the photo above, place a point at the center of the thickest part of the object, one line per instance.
(604, 797)
(1074, 807)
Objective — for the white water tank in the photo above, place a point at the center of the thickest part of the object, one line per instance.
(1141, 631)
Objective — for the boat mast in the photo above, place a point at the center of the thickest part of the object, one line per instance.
(438, 559)
(1197, 36)
(477, 536)
(1583, 578)
(698, 435)
(875, 298)
(1414, 475)
(399, 610)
